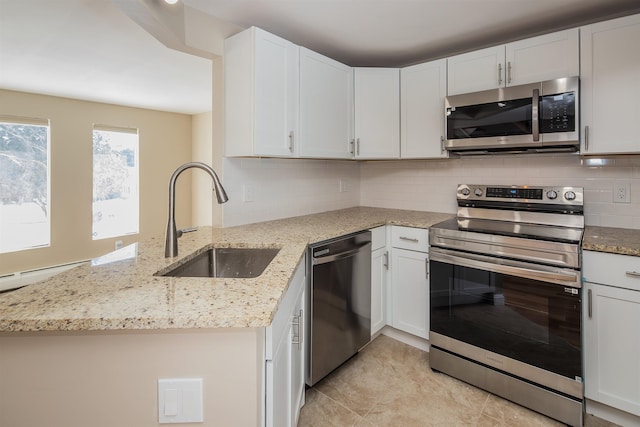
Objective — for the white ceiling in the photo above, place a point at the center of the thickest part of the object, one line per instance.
(90, 49)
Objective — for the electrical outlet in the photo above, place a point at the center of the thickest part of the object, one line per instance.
(343, 186)
(118, 244)
(621, 192)
(248, 193)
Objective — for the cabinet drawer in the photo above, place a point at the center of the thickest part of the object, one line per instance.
(378, 237)
(622, 271)
(413, 239)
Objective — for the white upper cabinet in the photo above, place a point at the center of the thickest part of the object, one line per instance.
(545, 57)
(475, 71)
(377, 113)
(610, 86)
(261, 95)
(422, 91)
(326, 107)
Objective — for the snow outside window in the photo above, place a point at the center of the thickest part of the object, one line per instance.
(24, 184)
(115, 182)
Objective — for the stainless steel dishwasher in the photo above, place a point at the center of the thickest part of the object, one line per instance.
(339, 323)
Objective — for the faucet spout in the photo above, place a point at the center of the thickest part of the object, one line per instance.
(171, 240)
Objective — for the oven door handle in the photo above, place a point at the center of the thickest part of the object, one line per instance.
(505, 266)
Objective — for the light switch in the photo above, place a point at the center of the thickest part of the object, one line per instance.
(171, 402)
(180, 400)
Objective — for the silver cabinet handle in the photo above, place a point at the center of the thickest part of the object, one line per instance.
(586, 138)
(589, 304)
(426, 266)
(409, 239)
(352, 144)
(291, 141)
(358, 147)
(508, 72)
(633, 274)
(442, 144)
(297, 320)
(500, 74)
(386, 260)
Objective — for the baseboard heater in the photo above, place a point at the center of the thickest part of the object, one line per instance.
(10, 282)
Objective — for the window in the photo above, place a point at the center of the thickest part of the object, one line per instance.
(115, 182)
(24, 184)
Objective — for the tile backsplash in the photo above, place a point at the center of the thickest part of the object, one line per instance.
(283, 188)
(430, 185)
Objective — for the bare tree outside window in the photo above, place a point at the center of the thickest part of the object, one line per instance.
(24, 184)
(115, 183)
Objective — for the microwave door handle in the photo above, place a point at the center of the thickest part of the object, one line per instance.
(535, 127)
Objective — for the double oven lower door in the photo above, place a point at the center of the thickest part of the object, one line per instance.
(518, 318)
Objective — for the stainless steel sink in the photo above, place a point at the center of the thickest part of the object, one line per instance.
(226, 262)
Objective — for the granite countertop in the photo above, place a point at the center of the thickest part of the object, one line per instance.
(622, 241)
(120, 291)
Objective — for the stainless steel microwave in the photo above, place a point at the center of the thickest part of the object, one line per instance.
(537, 117)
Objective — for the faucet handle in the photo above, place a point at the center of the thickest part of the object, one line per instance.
(186, 230)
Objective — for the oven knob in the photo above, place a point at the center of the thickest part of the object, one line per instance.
(552, 194)
(465, 191)
(478, 192)
(570, 195)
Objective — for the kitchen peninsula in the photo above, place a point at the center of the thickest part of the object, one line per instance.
(86, 344)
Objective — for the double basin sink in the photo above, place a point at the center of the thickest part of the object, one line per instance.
(225, 262)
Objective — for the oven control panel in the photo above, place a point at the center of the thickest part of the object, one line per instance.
(521, 194)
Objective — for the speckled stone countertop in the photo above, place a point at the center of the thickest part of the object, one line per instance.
(622, 241)
(112, 294)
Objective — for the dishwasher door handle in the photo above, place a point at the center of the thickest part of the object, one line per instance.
(340, 255)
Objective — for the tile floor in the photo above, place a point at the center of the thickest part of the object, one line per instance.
(389, 384)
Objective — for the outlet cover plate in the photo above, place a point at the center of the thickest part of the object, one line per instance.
(621, 192)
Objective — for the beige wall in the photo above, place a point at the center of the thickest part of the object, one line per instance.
(165, 143)
(104, 379)
(208, 137)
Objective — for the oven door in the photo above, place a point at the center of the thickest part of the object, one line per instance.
(518, 317)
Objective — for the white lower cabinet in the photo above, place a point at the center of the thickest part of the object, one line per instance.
(284, 355)
(379, 278)
(612, 336)
(410, 280)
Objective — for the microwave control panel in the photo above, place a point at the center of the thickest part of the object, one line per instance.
(558, 113)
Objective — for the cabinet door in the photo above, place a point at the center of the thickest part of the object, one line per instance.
(410, 292)
(280, 379)
(379, 272)
(326, 107)
(610, 86)
(422, 91)
(377, 113)
(541, 58)
(297, 359)
(261, 94)
(284, 376)
(474, 71)
(612, 346)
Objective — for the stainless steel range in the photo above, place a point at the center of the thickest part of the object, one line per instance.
(506, 295)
